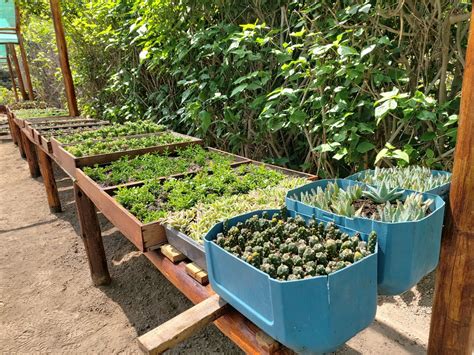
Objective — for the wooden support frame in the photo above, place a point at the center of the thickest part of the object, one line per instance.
(21, 84)
(181, 327)
(452, 320)
(64, 58)
(46, 168)
(31, 157)
(24, 59)
(12, 76)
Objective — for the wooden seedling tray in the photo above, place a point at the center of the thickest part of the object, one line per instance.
(238, 160)
(36, 130)
(21, 122)
(145, 236)
(69, 162)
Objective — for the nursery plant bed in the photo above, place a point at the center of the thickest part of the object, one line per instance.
(145, 236)
(36, 129)
(193, 249)
(22, 122)
(69, 162)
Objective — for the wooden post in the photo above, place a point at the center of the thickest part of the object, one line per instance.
(19, 75)
(12, 76)
(64, 58)
(21, 142)
(24, 59)
(31, 157)
(92, 238)
(452, 319)
(46, 168)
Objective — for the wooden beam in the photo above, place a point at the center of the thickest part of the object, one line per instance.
(452, 320)
(92, 238)
(64, 58)
(31, 157)
(172, 253)
(19, 75)
(24, 58)
(183, 326)
(46, 168)
(12, 76)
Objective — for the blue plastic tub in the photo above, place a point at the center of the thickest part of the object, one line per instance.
(311, 315)
(407, 250)
(442, 190)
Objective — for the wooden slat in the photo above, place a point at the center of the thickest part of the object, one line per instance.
(47, 172)
(172, 253)
(197, 273)
(183, 326)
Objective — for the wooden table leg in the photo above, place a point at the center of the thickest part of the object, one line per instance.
(92, 238)
(20, 138)
(31, 157)
(12, 126)
(46, 168)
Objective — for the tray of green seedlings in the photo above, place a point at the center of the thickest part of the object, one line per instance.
(114, 130)
(43, 136)
(104, 151)
(133, 171)
(36, 129)
(20, 116)
(137, 211)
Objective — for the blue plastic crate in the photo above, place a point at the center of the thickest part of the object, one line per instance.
(317, 314)
(442, 190)
(407, 250)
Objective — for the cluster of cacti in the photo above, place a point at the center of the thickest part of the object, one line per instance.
(288, 248)
(388, 201)
(415, 178)
(195, 222)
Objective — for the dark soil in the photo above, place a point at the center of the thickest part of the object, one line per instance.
(369, 207)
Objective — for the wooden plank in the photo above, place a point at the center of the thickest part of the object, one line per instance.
(21, 140)
(181, 327)
(12, 76)
(172, 253)
(46, 168)
(92, 238)
(235, 326)
(197, 273)
(64, 58)
(452, 320)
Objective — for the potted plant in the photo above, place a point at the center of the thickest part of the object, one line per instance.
(408, 224)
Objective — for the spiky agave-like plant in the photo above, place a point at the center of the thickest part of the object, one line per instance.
(412, 209)
(382, 193)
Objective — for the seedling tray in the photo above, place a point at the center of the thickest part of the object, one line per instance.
(313, 315)
(69, 162)
(193, 249)
(36, 130)
(238, 160)
(22, 122)
(145, 236)
(408, 250)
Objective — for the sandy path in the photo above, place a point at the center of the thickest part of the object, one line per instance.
(47, 302)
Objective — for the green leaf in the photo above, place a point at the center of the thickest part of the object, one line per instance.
(298, 117)
(365, 8)
(341, 154)
(328, 147)
(400, 154)
(380, 155)
(426, 116)
(364, 147)
(382, 110)
(346, 51)
(428, 136)
(206, 120)
(451, 120)
(367, 50)
(238, 89)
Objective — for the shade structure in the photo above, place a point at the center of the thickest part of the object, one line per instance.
(8, 22)
(3, 54)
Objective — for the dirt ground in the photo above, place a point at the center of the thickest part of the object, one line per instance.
(48, 304)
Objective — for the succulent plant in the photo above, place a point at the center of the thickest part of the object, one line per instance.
(382, 193)
(303, 249)
(412, 209)
(415, 178)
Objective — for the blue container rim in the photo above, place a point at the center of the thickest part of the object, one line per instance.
(438, 202)
(208, 239)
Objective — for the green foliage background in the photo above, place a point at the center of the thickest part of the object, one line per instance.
(326, 86)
